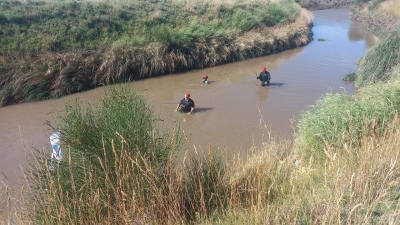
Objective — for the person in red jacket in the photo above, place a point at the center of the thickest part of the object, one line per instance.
(205, 79)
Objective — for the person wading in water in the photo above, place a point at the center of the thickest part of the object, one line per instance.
(264, 76)
(186, 105)
(205, 79)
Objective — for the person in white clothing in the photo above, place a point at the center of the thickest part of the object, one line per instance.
(56, 146)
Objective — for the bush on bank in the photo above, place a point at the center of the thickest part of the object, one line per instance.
(52, 49)
(111, 150)
(339, 118)
(378, 63)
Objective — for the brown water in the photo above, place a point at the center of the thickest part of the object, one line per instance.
(229, 109)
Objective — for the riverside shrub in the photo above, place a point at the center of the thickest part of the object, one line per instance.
(111, 148)
(376, 65)
(340, 119)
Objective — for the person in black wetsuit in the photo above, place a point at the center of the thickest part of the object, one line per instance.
(264, 76)
(186, 105)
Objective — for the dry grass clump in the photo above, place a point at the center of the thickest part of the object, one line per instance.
(390, 7)
(323, 4)
(257, 180)
(270, 40)
(364, 181)
(134, 193)
(353, 185)
(156, 59)
(379, 16)
(9, 201)
(225, 2)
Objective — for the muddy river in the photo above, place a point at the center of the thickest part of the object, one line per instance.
(231, 108)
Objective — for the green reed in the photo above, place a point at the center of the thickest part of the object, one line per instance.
(376, 65)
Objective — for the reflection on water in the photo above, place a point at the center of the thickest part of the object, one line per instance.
(230, 108)
(263, 93)
(357, 33)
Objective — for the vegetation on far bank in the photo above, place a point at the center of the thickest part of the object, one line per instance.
(381, 17)
(57, 26)
(50, 49)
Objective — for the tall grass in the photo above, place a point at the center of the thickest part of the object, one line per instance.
(339, 118)
(346, 189)
(391, 7)
(358, 185)
(114, 149)
(377, 64)
(71, 25)
(204, 187)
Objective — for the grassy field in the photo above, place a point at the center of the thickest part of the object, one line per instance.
(38, 26)
(341, 168)
(391, 7)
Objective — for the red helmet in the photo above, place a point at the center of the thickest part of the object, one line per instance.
(187, 95)
(205, 77)
(263, 69)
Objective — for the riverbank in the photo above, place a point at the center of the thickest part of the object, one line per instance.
(323, 4)
(97, 51)
(381, 18)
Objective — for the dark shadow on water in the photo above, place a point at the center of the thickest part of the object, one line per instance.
(197, 110)
(274, 84)
(210, 81)
(277, 84)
